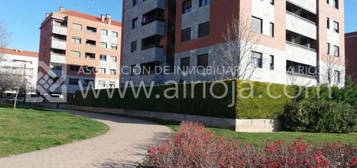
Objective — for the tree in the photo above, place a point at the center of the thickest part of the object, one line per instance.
(240, 41)
(3, 40)
(9, 79)
(3, 43)
(330, 71)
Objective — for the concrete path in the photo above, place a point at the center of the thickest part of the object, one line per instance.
(123, 146)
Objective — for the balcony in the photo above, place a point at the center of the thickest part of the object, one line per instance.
(58, 44)
(155, 54)
(58, 58)
(306, 4)
(152, 4)
(297, 53)
(301, 25)
(153, 28)
(62, 30)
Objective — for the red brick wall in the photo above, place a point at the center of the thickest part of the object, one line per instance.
(351, 54)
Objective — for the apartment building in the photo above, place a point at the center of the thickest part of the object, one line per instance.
(84, 49)
(351, 54)
(22, 63)
(186, 33)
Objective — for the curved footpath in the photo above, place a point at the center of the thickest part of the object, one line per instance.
(123, 146)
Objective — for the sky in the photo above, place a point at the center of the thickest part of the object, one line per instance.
(22, 18)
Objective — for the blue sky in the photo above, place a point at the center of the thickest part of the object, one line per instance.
(23, 17)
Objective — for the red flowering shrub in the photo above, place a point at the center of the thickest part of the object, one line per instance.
(193, 146)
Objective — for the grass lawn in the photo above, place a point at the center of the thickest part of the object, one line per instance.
(260, 139)
(26, 129)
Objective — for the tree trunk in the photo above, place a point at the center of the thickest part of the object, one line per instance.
(15, 100)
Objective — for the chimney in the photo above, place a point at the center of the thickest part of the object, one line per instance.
(109, 18)
(61, 9)
(102, 17)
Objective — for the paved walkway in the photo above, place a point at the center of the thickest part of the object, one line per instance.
(123, 146)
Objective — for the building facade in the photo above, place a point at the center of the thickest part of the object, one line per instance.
(22, 63)
(83, 49)
(351, 54)
(188, 33)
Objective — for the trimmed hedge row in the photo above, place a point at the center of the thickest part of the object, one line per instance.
(268, 100)
(258, 106)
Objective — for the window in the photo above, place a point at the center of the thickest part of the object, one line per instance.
(115, 34)
(337, 75)
(186, 34)
(91, 43)
(103, 57)
(102, 84)
(73, 81)
(89, 83)
(75, 54)
(328, 48)
(114, 46)
(113, 58)
(187, 6)
(135, 23)
(185, 64)
(335, 4)
(112, 84)
(60, 23)
(257, 25)
(328, 23)
(57, 67)
(104, 45)
(202, 60)
(133, 46)
(336, 51)
(90, 56)
(91, 29)
(103, 70)
(135, 2)
(203, 29)
(204, 2)
(104, 32)
(336, 27)
(272, 62)
(257, 59)
(113, 72)
(77, 26)
(271, 30)
(295, 68)
(300, 40)
(150, 42)
(156, 14)
(76, 40)
(74, 68)
(293, 9)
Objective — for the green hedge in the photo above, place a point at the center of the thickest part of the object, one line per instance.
(258, 107)
(182, 105)
(262, 105)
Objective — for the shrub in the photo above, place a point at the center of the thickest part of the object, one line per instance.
(196, 105)
(319, 116)
(252, 108)
(195, 147)
(262, 105)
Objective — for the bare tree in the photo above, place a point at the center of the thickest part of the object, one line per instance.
(240, 40)
(4, 36)
(330, 69)
(3, 43)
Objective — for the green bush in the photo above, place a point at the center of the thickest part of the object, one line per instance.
(256, 107)
(319, 116)
(261, 105)
(198, 105)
